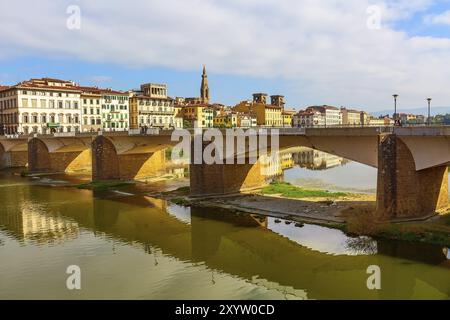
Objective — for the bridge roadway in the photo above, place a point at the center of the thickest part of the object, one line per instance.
(412, 161)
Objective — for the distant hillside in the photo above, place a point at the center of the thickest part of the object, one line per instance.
(423, 111)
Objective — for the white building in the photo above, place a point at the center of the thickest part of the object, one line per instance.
(115, 112)
(91, 109)
(40, 106)
(151, 107)
(318, 116)
(308, 118)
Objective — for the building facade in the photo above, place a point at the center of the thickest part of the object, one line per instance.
(115, 112)
(309, 118)
(41, 106)
(350, 117)
(152, 108)
(267, 115)
(91, 110)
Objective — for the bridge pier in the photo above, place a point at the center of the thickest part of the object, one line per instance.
(222, 179)
(403, 192)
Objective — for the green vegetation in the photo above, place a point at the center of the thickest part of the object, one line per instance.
(181, 191)
(290, 191)
(364, 221)
(425, 232)
(24, 173)
(180, 201)
(104, 185)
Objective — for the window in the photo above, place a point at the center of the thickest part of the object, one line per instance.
(60, 104)
(51, 103)
(25, 103)
(43, 103)
(33, 103)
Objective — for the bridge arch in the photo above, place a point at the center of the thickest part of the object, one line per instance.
(13, 153)
(128, 157)
(59, 155)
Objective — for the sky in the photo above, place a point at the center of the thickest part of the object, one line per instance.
(353, 53)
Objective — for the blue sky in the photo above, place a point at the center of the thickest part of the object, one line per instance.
(313, 52)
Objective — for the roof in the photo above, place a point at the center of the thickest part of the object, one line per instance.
(71, 86)
(271, 106)
(148, 97)
(324, 107)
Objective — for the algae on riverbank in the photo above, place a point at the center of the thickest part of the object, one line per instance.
(290, 191)
(104, 185)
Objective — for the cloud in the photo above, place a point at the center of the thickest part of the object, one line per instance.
(100, 78)
(443, 18)
(322, 49)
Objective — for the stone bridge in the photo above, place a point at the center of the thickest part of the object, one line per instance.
(13, 152)
(412, 162)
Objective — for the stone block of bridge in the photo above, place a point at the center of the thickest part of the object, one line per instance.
(403, 191)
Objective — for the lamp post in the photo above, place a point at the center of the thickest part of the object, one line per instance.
(429, 115)
(395, 108)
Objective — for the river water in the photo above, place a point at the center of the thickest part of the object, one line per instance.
(130, 245)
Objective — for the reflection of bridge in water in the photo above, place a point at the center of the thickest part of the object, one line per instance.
(240, 245)
(316, 160)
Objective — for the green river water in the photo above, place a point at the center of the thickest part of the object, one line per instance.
(129, 245)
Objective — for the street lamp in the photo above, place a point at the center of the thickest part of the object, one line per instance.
(429, 106)
(395, 108)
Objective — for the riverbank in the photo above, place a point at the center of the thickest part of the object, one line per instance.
(350, 212)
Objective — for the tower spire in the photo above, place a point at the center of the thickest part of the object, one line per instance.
(204, 88)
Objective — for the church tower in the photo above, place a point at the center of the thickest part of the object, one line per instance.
(204, 89)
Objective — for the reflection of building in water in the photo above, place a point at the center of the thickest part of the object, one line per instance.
(273, 166)
(31, 223)
(177, 173)
(317, 160)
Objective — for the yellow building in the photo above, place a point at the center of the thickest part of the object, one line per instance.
(287, 117)
(226, 120)
(350, 117)
(266, 115)
(201, 116)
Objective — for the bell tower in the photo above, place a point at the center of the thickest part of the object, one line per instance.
(204, 88)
